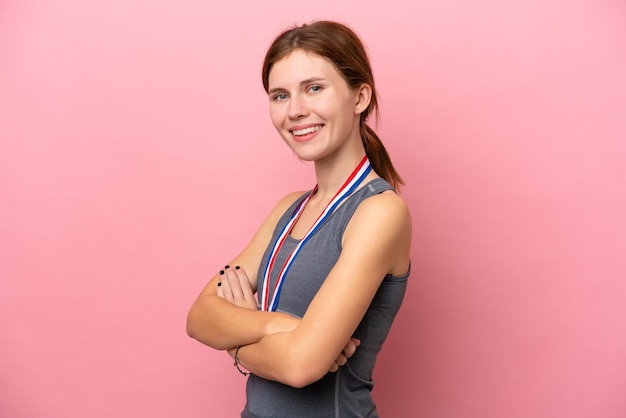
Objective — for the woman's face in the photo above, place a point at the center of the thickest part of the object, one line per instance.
(311, 105)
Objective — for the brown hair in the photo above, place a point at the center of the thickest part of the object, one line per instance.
(341, 46)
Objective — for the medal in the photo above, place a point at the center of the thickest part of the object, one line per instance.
(355, 179)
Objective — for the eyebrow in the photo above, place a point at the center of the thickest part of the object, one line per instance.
(302, 83)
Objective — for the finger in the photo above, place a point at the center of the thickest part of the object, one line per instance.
(349, 349)
(341, 360)
(235, 285)
(244, 282)
(225, 287)
(243, 295)
(334, 368)
(218, 289)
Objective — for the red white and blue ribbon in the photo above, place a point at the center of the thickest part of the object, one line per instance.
(355, 179)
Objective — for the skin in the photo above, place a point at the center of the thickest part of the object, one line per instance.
(307, 91)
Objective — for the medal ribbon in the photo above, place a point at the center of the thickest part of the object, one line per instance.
(355, 179)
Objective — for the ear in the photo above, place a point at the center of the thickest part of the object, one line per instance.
(363, 98)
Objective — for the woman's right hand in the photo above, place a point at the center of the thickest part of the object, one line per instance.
(234, 286)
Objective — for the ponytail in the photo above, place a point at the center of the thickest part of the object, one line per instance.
(378, 156)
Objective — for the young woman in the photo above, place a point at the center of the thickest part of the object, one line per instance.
(330, 265)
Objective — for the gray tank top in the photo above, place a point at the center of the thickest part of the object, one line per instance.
(345, 393)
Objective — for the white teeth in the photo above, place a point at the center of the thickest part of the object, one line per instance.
(307, 130)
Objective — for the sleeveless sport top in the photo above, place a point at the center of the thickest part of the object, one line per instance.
(346, 392)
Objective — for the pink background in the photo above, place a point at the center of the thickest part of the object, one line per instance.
(137, 156)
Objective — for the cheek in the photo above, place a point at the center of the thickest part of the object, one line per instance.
(275, 117)
(333, 108)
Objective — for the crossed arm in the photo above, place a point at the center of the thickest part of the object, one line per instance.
(235, 288)
(295, 351)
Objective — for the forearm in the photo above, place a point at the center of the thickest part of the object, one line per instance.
(220, 324)
(286, 357)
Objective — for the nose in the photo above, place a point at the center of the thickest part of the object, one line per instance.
(297, 107)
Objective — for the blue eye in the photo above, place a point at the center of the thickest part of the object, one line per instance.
(315, 89)
(279, 97)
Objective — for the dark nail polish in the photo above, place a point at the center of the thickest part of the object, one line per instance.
(221, 272)
(236, 267)
(227, 267)
(219, 284)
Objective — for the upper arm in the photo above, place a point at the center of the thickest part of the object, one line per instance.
(220, 324)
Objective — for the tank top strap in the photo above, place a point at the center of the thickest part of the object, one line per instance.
(346, 210)
(372, 188)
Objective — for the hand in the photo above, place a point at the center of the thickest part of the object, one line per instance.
(347, 352)
(235, 288)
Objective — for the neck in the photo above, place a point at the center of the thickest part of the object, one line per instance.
(332, 173)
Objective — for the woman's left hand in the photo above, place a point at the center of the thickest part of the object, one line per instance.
(347, 352)
(234, 286)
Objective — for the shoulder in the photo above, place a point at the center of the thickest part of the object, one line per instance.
(286, 202)
(280, 209)
(387, 208)
(290, 198)
(380, 231)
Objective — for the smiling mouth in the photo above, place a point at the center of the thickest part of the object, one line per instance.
(308, 130)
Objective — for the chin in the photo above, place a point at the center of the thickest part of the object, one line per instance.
(303, 154)
(305, 157)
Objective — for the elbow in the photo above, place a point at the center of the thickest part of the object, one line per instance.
(199, 331)
(191, 328)
(301, 373)
(302, 378)
(299, 381)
